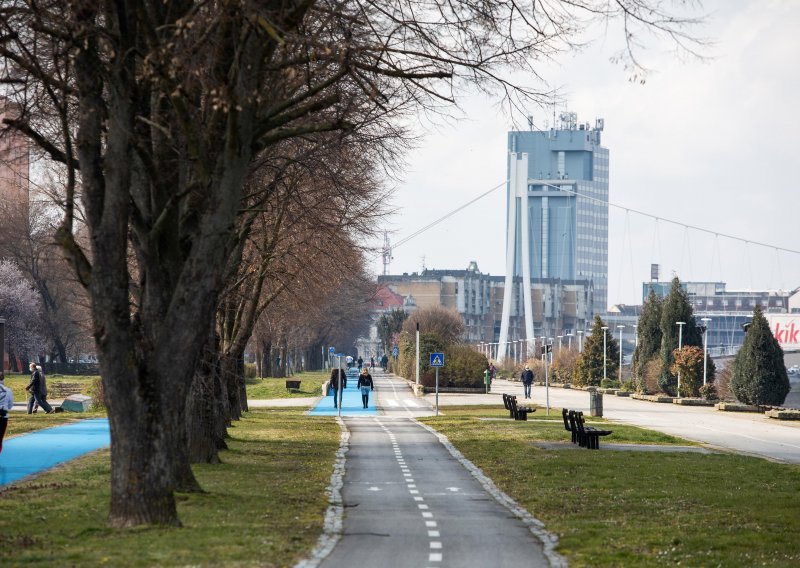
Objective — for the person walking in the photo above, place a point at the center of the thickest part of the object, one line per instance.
(360, 363)
(6, 404)
(527, 381)
(372, 362)
(385, 362)
(366, 385)
(334, 384)
(38, 391)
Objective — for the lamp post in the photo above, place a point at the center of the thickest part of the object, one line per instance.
(559, 343)
(636, 334)
(604, 328)
(680, 325)
(569, 341)
(580, 341)
(620, 328)
(705, 347)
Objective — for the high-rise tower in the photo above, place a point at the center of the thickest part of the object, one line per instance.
(557, 217)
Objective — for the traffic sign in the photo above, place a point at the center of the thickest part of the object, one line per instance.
(395, 351)
(437, 359)
(331, 350)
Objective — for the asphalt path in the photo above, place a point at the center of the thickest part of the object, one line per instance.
(409, 502)
(409, 498)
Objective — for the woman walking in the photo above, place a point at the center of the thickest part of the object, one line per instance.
(365, 384)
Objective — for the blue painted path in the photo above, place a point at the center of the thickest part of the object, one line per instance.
(37, 451)
(351, 402)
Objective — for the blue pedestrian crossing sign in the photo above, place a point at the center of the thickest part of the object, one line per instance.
(395, 351)
(331, 350)
(437, 359)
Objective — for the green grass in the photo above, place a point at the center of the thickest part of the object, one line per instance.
(624, 508)
(311, 385)
(263, 506)
(17, 383)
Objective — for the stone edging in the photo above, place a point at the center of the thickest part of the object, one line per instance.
(332, 527)
(548, 539)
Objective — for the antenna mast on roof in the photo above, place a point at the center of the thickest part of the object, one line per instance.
(387, 253)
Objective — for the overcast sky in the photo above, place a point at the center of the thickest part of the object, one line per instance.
(711, 144)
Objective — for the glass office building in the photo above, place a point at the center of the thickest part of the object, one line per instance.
(567, 201)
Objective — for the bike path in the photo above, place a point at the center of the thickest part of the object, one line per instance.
(351, 402)
(34, 452)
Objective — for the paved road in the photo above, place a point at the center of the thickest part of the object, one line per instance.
(409, 500)
(741, 432)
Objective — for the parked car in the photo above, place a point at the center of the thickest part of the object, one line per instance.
(794, 369)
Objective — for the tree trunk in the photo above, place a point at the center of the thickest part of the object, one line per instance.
(201, 413)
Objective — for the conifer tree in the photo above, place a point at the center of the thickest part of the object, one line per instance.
(648, 332)
(676, 307)
(759, 372)
(589, 368)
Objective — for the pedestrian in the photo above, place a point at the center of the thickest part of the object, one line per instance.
(372, 362)
(38, 391)
(527, 381)
(385, 362)
(349, 361)
(491, 371)
(6, 404)
(360, 362)
(334, 384)
(366, 385)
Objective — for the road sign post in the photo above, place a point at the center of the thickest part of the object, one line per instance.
(437, 360)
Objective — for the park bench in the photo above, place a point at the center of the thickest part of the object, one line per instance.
(507, 404)
(588, 437)
(519, 412)
(565, 415)
(62, 389)
(292, 385)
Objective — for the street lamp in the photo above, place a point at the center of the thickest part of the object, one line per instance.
(569, 341)
(680, 325)
(580, 341)
(620, 328)
(604, 328)
(559, 343)
(636, 334)
(705, 347)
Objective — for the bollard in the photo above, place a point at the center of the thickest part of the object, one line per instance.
(595, 403)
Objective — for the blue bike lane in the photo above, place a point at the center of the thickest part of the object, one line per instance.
(34, 452)
(351, 402)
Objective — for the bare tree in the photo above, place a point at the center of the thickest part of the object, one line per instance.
(159, 109)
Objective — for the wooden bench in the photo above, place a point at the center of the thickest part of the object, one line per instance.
(519, 412)
(292, 385)
(507, 404)
(62, 389)
(587, 436)
(565, 415)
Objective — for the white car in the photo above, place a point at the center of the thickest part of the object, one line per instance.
(794, 369)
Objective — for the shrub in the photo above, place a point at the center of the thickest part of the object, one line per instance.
(97, 393)
(648, 382)
(723, 384)
(688, 361)
(463, 368)
(250, 371)
(563, 367)
(709, 391)
(406, 360)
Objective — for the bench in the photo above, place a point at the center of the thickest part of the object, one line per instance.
(519, 412)
(62, 389)
(586, 436)
(507, 404)
(565, 415)
(292, 385)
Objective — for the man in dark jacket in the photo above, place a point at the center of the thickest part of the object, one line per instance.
(37, 391)
(334, 383)
(527, 381)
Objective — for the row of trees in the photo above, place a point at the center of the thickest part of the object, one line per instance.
(187, 133)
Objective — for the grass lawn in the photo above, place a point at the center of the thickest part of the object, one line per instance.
(17, 384)
(311, 385)
(623, 508)
(263, 506)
